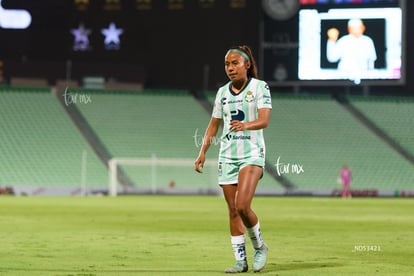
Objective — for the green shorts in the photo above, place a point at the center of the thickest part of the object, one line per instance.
(228, 173)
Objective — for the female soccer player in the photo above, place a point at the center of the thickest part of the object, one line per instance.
(346, 175)
(243, 105)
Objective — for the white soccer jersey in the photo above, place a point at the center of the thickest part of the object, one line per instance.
(228, 106)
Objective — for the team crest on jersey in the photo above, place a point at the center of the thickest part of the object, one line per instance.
(249, 96)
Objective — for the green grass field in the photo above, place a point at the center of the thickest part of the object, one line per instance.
(188, 235)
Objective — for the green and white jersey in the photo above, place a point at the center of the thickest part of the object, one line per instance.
(244, 106)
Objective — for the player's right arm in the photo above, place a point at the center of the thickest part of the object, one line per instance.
(209, 135)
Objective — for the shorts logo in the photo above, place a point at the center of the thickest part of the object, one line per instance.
(249, 96)
(220, 169)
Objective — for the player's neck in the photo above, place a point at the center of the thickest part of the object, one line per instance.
(238, 86)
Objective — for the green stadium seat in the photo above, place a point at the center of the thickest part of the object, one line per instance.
(41, 146)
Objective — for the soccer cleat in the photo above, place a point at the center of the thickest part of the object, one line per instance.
(260, 258)
(240, 266)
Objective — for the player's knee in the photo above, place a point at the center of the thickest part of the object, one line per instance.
(233, 213)
(242, 209)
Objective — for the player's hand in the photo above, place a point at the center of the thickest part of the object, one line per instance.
(333, 34)
(199, 163)
(236, 125)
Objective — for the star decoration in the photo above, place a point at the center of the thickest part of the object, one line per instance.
(86, 2)
(81, 37)
(112, 34)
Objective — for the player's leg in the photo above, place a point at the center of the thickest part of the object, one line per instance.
(236, 224)
(249, 177)
(238, 239)
(344, 192)
(348, 190)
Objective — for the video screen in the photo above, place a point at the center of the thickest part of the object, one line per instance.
(353, 44)
(345, 2)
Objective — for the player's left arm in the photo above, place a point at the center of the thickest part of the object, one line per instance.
(261, 122)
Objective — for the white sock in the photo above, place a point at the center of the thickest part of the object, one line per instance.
(239, 247)
(255, 236)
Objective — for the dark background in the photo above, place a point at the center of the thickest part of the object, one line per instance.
(172, 44)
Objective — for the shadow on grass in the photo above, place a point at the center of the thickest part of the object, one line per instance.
(97, 272)
(271, 269)
(274, 267)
